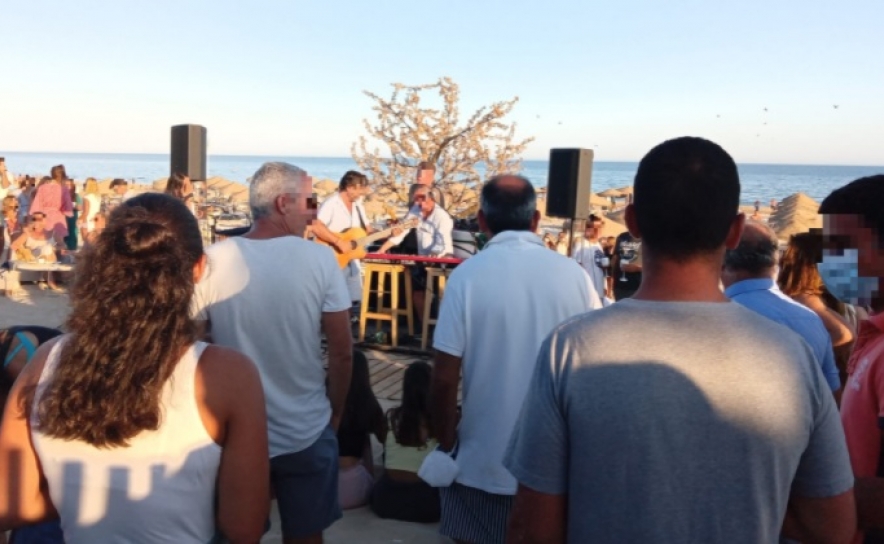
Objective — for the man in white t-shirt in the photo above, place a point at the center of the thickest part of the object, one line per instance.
(341, 211)
(498, 307)
(270, 294)
(591, 256)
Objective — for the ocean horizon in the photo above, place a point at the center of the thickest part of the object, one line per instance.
(759, 181)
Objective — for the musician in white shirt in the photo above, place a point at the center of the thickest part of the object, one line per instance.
(433, 238)
(339, 212)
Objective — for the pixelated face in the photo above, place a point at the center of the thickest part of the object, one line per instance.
(853, 261)
(425, 177)
(301, 205)
(422, 199)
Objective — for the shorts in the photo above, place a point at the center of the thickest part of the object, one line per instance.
(306, 487)
(473, 515)
(418, 277)
(354, 486)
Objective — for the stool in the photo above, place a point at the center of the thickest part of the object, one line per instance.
(384, 313)
(433, 275)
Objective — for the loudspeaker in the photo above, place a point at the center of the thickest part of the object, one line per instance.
(569, 182)
(189, 151)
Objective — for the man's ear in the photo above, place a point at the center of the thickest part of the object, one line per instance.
(735, 232)
(535, 220)
(631, 222)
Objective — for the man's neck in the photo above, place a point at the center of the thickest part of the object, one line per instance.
(694, 280)
(267, 229)
(730, 277)
(345, 198)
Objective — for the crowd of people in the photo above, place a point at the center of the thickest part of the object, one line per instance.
(687, 383)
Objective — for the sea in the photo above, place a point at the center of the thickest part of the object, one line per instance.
(760, 182)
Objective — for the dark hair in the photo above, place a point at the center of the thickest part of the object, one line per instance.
(508, 207)
(687, 194)
(118, 181)
(130, 324)
(756, 253)
(362, 411)
(798, 272)
(352, 178)
(175, 185)
(426, 165)
(412, 417)
(58, 173)
(862, 197)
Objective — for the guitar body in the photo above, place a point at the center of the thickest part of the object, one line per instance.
(351, 235)
(359, 239)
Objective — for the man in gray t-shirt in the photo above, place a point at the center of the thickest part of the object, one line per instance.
(678, 416)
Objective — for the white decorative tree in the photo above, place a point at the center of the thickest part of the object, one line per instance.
(465, 154)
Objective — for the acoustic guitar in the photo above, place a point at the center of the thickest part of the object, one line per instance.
(359, 239)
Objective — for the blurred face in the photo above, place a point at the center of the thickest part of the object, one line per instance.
(355, 192)
(299, 206)
(593, 229)
(422, 199)
(121, 188)
(425, 177)
(186, 186)
(851, 248)
(38, 224)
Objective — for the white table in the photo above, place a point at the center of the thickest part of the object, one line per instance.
(41, 267)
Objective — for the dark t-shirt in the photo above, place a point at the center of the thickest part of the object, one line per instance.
(629, 250)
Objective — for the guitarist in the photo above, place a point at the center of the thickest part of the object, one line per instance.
(339, 212)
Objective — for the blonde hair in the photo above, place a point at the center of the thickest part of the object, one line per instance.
(90, 187)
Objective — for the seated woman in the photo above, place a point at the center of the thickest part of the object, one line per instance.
(800, 280)
(362, 417)
(399, 493)
(37, 244)
(128, 428)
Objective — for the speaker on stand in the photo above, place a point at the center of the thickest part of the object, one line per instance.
(568, 187)
(188, 157)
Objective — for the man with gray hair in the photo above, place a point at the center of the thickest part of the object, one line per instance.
(498, 307)
(270, 294)
(748, 276)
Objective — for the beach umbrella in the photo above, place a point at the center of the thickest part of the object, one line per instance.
(325, 186)
(598, 201)
(611, 193)
(160, 184)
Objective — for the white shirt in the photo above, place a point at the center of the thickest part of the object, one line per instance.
(265, 298)
(334, 214)
(498, 308)
(159, 488)
(589, 256)
(433, 233)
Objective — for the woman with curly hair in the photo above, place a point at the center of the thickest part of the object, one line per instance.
(128, 428)
(799, 279)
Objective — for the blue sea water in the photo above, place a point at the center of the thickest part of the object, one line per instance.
(759, 181)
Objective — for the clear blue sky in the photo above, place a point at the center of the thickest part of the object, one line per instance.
(285, 77)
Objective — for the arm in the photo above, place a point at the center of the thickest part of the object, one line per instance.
(537, 518)
(26, 497)
(340, 360)
(447, 234)
(326, 235)
(19, 241)
(67, 206)
(443, 398)
(85, 214)
(232, 392)
(840, 331)
(822, 521)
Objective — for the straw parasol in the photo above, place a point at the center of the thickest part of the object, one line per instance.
(325, 187)
(796, 214)
(598, 201)
(611, 193)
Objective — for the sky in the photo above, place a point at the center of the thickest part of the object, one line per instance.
(286, 78)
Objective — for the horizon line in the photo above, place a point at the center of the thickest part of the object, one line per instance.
(348, 157)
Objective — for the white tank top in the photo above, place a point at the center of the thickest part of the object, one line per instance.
(161, 488)
(94, 205)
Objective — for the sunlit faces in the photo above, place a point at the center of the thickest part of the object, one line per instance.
(853, 260)
(422, 198)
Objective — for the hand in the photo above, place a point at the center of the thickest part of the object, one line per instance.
(397, 231)
(342, 245)
(335, 422)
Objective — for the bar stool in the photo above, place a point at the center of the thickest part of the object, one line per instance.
(391, 313)
(434, 276)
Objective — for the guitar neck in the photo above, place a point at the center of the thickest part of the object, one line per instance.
(380, 235)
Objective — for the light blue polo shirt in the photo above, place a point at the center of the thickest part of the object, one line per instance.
(764, 297)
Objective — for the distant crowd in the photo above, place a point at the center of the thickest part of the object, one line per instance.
(688, 381)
